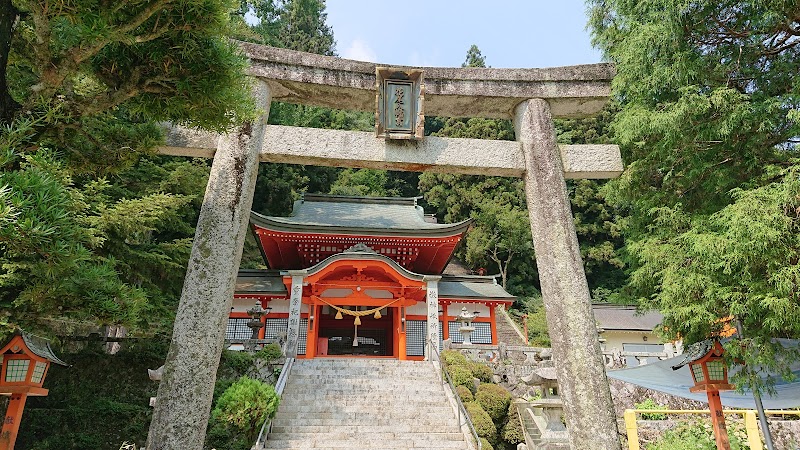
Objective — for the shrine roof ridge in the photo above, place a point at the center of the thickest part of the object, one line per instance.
(331, 198)
(376, 216)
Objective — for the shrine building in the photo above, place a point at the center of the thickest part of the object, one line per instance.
(362, 270)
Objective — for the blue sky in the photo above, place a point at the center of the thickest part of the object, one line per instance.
(509, 33)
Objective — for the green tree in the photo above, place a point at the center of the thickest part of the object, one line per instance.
(83, 86)
(474, 58)
(245, 405)
(708, 122)
(294, 24)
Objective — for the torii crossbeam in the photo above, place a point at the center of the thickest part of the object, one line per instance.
(531, 97)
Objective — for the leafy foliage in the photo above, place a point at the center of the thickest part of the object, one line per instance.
(461, 376)
(245, 405)
(96, 385)
(708, 122)
(698, 435)
(482, 422)
(650, 404)
(494, 399)
(80, 241)
(464, 394)
(512, 430)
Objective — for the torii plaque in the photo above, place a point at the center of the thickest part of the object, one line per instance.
(531, 97)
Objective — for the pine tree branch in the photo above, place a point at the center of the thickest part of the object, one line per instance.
(79, 55)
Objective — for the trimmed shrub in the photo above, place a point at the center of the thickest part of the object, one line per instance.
(454, 358)
(494, 399)
(270, 352)
(464, 394)
(512, 430)
(461, 376)
(245, 405)
(486, 445)
(482, 422)
(481, 371)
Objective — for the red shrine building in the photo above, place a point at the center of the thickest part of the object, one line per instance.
(361, 276)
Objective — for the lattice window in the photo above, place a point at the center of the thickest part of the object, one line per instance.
(302, 337)
(416, 331)
(17, 370)
(415, 337)
(38, 372)
(275, 328)
(238, 329)
(481, 335)
(278, 327)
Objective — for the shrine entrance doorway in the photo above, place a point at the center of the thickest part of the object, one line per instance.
(374, 337)
(357, 303)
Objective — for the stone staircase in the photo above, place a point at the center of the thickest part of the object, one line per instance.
(507, 332)
(364, 404)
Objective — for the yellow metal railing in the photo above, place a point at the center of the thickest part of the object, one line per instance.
(750, 422)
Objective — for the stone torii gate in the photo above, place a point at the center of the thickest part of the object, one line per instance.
(531, 97)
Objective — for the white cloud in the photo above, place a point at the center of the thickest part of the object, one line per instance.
(361, 51)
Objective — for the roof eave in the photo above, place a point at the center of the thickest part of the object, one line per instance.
(446, 230)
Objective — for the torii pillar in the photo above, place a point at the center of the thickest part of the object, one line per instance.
(531, 97)
(183, 403)
(577, 357)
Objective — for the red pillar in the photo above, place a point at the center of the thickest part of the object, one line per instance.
(311, 334)
(401, 333)
(493, 318)
(8, 435)
(718, 419)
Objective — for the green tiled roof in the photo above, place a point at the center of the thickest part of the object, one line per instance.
(259, 281)
(472, 287)
(367, 215)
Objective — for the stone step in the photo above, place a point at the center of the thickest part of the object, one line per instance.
(375, 443)
(394, 427)
(365, 373)
(336, 420)
(333, 408)
(365, 401)
(389, 390)
(364, 404)
(405, 382)
(335, 435)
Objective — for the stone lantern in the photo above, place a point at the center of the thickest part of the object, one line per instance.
(26, 360)
(255, 323)
(710, 374)
(466, 328)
